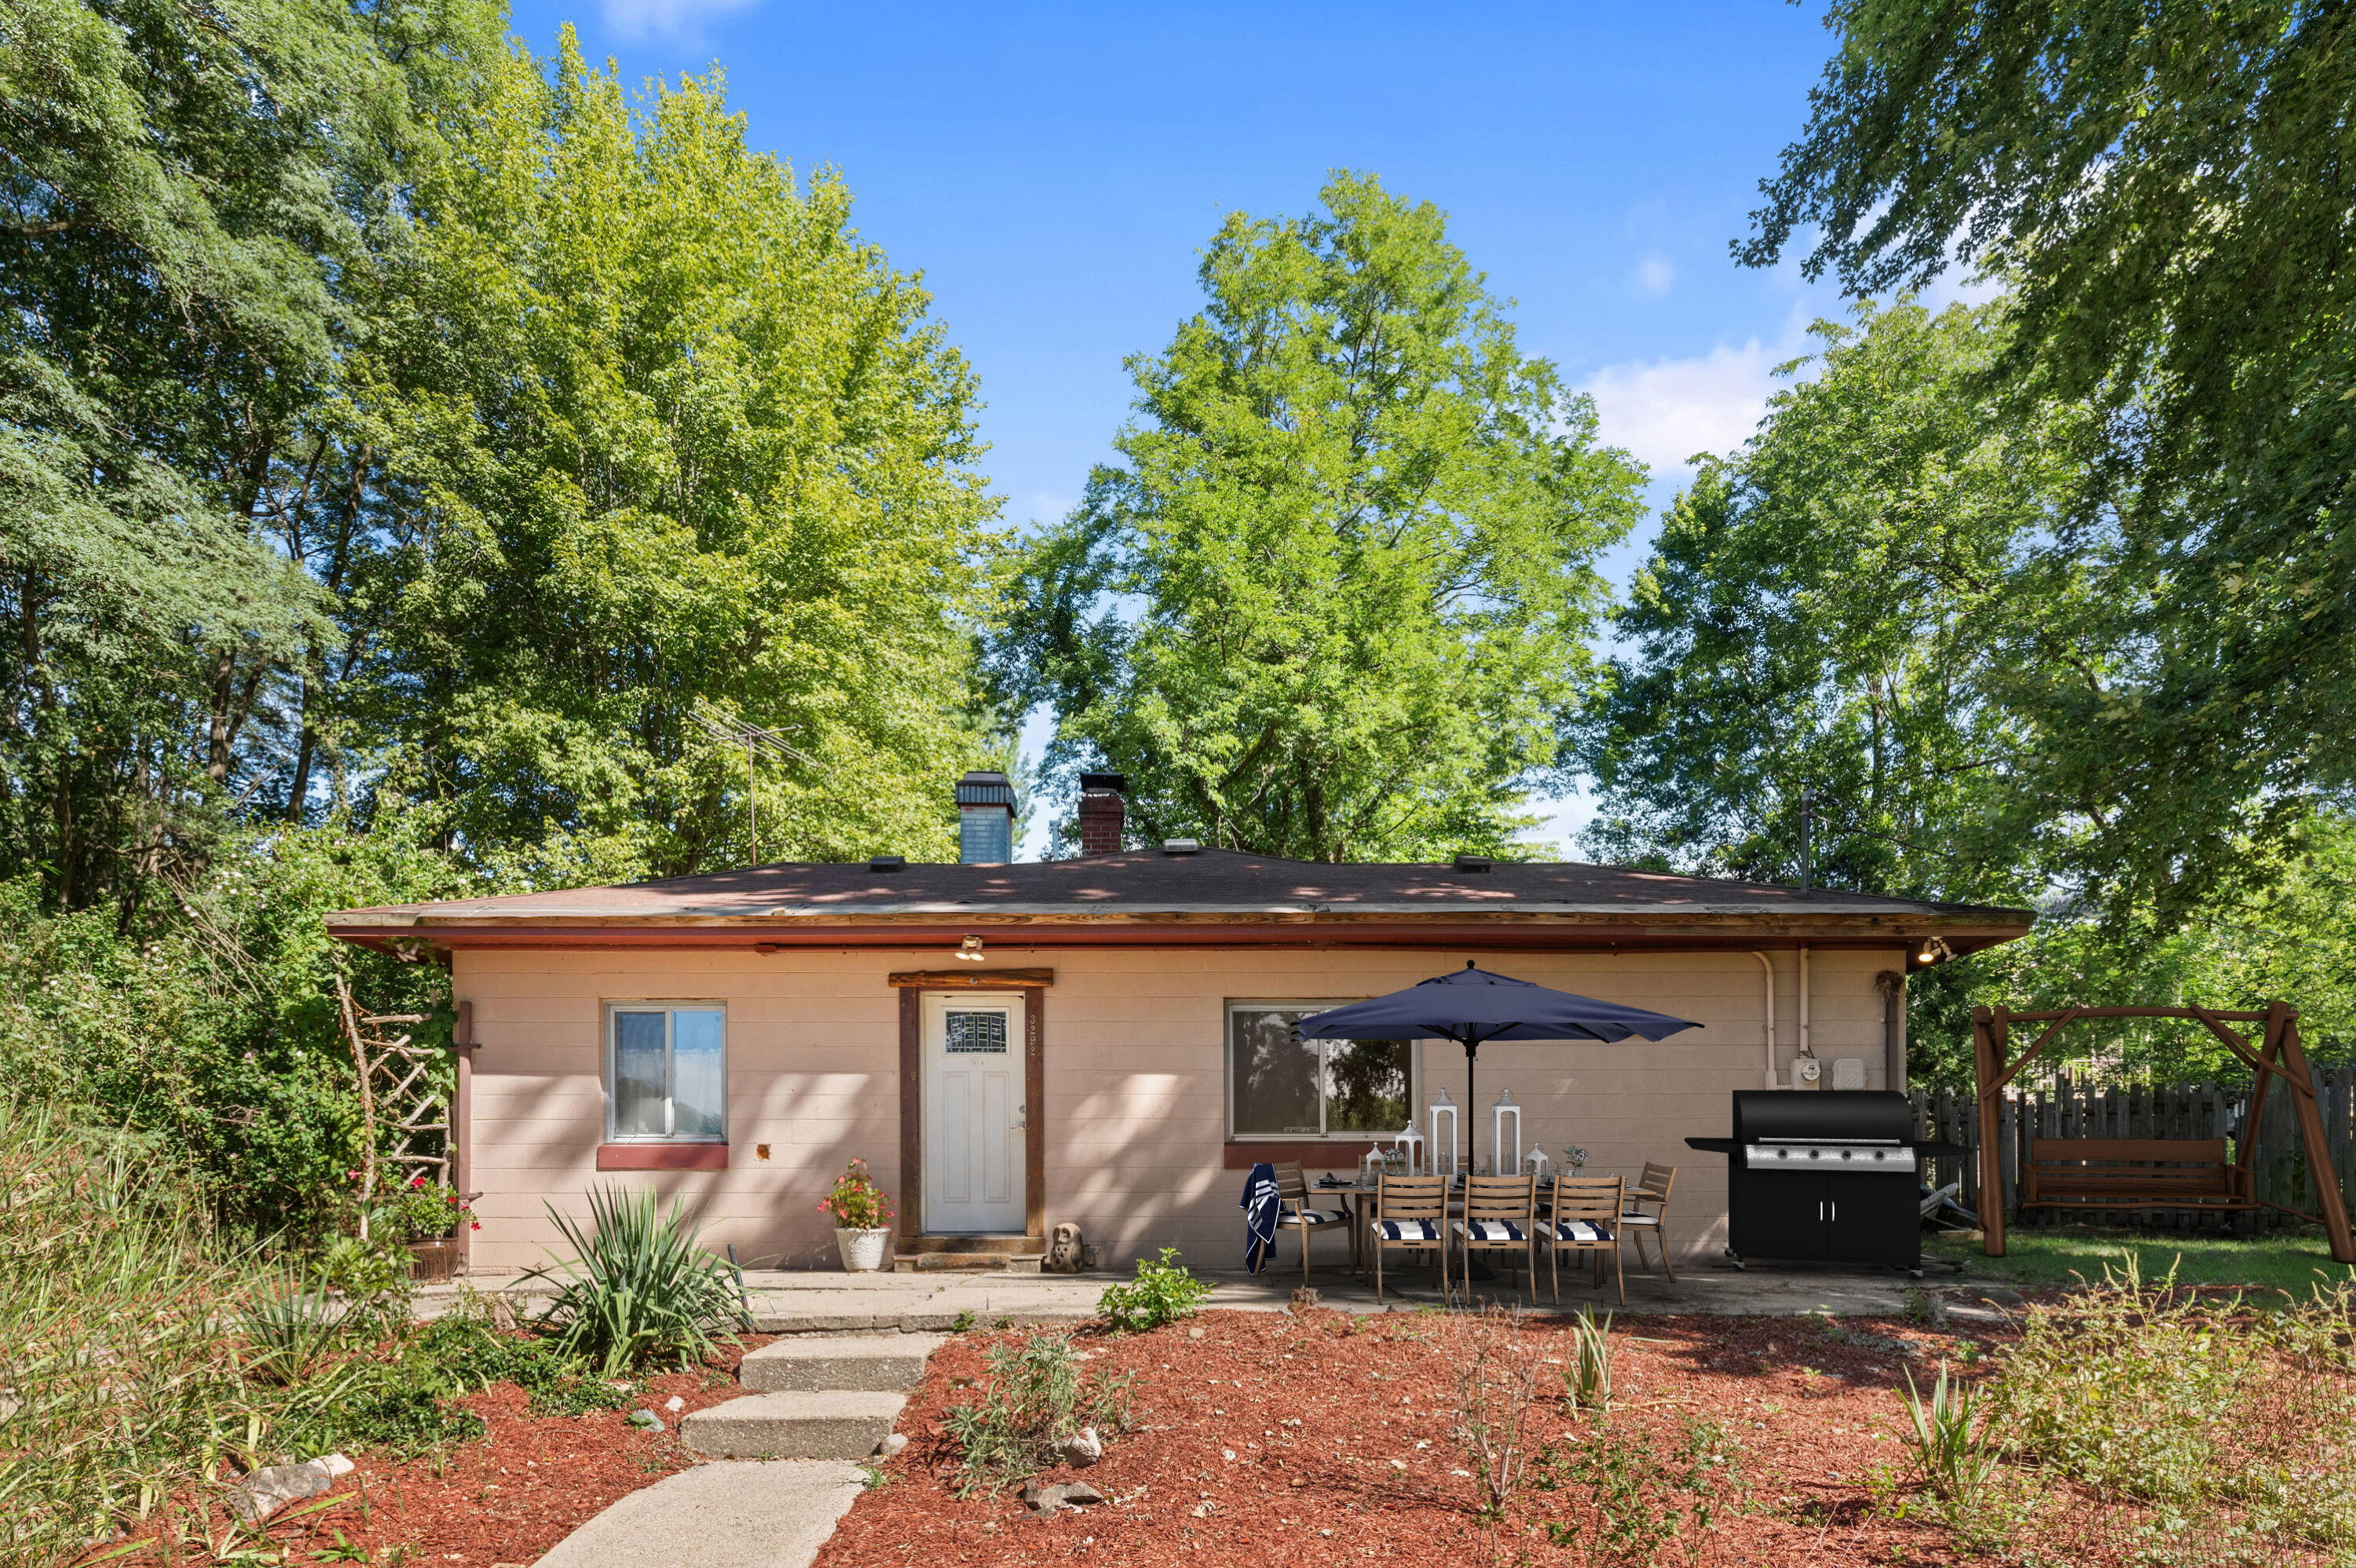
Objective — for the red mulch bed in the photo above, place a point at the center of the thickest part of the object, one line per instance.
(511, 1493)
(1370, 1472)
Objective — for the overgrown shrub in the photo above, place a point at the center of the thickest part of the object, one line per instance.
(639, 1287)
(143, 1356)
(1162, 1292)
(2206, 1414)
(1032, 1399)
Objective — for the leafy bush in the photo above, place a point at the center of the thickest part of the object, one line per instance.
(1161, 1292)
(856, 1203)
(1034, 1399)
(639, 1287)
(1634, 1502)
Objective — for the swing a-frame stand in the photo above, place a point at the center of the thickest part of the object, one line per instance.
(2104, 1174)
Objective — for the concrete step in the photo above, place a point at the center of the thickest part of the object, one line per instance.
(968, 1262)
(869, 1363)
(794, 1424)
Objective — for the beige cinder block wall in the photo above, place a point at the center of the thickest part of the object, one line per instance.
(1135, 1076)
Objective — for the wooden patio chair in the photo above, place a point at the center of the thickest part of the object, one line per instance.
(1636, 1222)
(1501, 1216)
(1410, 1212)
(1586, 1219)
(1296, 1215)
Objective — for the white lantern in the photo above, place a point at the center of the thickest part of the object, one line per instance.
(1535, 1162)
(1408, 1144)
(1503, 1160)
(1443, 1105)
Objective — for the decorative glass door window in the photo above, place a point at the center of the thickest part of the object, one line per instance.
(975, 1034)
(1278, 1087)
(666, 1073)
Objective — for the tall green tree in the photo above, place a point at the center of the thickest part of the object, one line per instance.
(184, 195)
(1868, 602)
(666, 435)
(2165, 184)
(1326, 602)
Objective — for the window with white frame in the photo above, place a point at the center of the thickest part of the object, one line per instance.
(1283, 1086)
(666, 1073)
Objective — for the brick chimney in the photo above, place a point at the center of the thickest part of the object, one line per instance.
(985, 820)
(1101, 813)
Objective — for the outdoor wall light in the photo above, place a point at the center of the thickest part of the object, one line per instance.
(1933, 949)
(969, 950)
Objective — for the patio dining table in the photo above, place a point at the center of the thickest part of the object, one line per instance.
(1356, 1194)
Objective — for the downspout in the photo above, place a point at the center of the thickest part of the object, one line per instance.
(1801, 1078)
(1768, 976)
(460, 1132)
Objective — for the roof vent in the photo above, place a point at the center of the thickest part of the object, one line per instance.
(1180, 847)
(887, 863)
(1471, 862)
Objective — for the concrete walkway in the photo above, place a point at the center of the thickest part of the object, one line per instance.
(815, 1302)
(729, 1513)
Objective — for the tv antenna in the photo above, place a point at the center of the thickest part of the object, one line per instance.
(727, 730)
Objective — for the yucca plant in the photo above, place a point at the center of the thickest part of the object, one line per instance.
(1955, 1454)
(1588, 1378)
(639, 1287)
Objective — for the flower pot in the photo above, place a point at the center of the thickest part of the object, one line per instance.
(862, 1251)
(433, 1262)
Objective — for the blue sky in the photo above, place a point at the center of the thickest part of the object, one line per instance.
(1055, 171)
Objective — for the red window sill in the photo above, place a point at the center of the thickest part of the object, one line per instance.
(662, 1157)
(1314, 1154)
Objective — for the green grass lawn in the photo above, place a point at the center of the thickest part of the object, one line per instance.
(2290, 1259)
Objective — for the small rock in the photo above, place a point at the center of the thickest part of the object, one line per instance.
(674, 1404)
(267, 1490)
(892, 1443)
(1194, 1333)
(1079, 1494)
(1081, 1449)
(1228, 1454)
(1042, 1500)
(337, 1466)
(647, 1419)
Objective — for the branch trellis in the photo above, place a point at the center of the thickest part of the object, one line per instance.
(405, 1109)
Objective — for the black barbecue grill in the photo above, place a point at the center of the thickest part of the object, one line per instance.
(1824, 1175)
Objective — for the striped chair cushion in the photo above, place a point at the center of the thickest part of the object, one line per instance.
(1490, 1230)
(1409, 1229)
(1579, 1231)
(1313, 1217)
(1632, 1218)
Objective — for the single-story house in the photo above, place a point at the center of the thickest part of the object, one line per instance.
(1105, 1039)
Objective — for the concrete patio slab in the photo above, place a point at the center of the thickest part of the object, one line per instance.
(739, 1513)
(821, 1303)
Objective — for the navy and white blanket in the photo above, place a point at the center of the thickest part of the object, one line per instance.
(1259, 1205)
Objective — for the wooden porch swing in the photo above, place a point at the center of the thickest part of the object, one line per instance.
(2095, 1174)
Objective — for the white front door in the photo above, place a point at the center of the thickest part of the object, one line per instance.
(974, 1115)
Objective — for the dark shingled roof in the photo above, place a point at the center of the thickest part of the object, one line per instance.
(1143, 883)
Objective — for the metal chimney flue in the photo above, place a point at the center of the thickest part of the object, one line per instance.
(985, 804)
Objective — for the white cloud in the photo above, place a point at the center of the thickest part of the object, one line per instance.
(1654, 273)
(679, 20)
(1664, 410)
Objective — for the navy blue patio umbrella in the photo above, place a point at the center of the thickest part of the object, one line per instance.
(1474, 1007)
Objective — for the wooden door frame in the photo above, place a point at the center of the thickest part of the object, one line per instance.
(913, 986)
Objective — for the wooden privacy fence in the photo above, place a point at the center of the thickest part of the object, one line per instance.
(2071, 1109)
